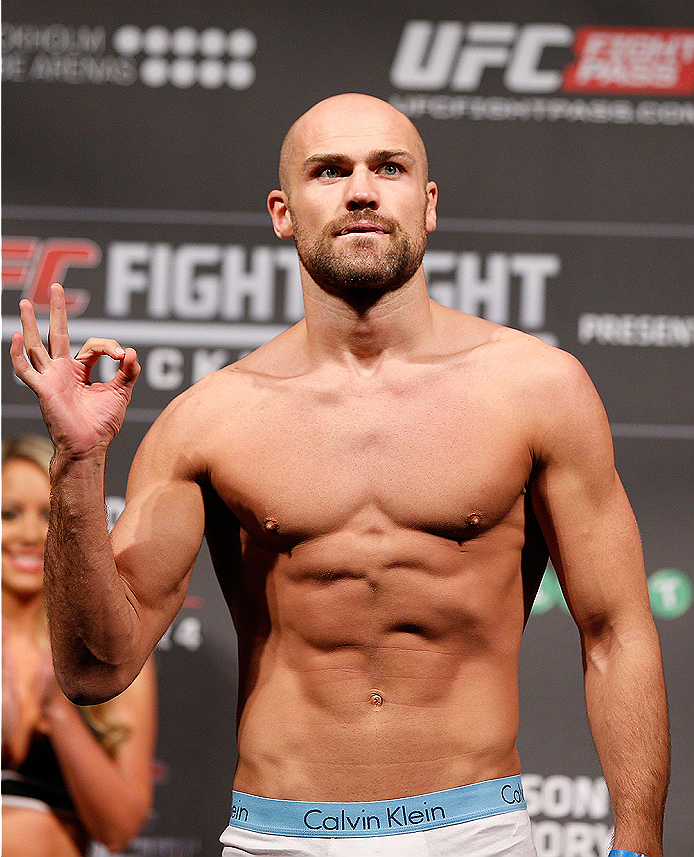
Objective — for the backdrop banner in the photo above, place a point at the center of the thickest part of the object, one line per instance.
(140, 141)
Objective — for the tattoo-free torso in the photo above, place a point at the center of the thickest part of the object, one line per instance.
(377, 578)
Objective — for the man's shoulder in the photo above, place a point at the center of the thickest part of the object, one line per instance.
(185, 437)
(223, 387)
(229, 392)
(545, 362)
(547, 389)
(517, 355)
(520, 375)
(541, 371)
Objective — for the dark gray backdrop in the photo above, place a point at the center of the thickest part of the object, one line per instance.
(140, 141)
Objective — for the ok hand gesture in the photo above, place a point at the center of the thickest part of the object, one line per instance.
(82, 416)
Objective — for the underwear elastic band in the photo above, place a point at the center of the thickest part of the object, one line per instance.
(377, 818)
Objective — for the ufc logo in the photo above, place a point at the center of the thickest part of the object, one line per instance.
(433, 56)
(31, 265)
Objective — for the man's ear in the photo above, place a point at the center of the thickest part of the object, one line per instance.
(278, 207)
(432, 199)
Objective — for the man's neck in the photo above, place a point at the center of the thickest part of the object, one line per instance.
(361, 332)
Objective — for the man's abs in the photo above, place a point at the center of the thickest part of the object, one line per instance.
(385, 665)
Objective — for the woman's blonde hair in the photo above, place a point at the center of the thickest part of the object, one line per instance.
(30, 447)
(39, 451)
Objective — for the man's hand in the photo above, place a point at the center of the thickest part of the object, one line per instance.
(81, 416)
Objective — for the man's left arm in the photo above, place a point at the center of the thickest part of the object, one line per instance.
(596, 550)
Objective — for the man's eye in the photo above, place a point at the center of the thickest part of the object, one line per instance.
(391, 169)
(329, 172)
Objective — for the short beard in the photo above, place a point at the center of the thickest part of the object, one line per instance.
(363, 267)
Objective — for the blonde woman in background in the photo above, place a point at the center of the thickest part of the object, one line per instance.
(69, 774)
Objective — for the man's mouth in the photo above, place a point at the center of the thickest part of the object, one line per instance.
(362, 226)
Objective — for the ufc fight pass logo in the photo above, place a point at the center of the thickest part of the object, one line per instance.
(31, 265)
(628, 60)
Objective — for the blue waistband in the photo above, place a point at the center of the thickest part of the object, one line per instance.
(376, 818)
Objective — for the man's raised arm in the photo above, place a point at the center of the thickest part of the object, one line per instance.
(596, 550)
(108, 597)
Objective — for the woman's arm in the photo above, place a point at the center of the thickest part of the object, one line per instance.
(113, 792)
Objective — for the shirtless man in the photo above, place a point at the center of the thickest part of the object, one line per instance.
(378, 486)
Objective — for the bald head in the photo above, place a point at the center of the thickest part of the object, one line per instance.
(350, 114)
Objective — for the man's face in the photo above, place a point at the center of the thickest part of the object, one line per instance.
(357, 194)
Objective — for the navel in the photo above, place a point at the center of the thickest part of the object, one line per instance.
(376, 698)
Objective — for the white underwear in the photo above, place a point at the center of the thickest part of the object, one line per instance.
(505, 835)
(488, 819)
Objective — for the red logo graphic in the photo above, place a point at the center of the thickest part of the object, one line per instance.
(32, 266)
(632, 60)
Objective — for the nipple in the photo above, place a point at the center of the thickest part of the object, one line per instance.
(271, 525)
(473, 520)
(376, 699)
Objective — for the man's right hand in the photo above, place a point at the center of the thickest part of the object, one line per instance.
(82, 416)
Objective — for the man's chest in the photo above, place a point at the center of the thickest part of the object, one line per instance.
(305, 465)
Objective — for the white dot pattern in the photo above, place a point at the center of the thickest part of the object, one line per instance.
(185, 41)
(185, 57)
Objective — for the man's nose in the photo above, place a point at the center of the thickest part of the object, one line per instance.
(361, 190)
